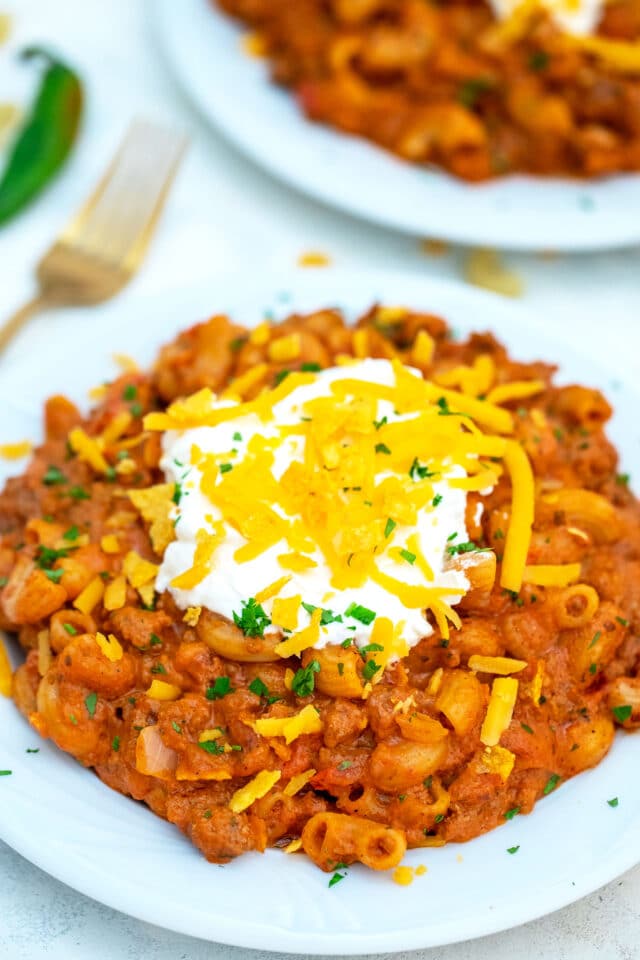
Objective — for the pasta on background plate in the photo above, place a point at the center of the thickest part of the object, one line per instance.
(345, 590)
(479, 88)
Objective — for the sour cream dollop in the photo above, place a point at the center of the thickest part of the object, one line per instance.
(332, 461)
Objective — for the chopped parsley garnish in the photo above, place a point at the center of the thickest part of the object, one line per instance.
(358, 612)
(158, 668)
(252, 620)
(69, 627)
(177, 494)
(327, 616)
(90, 702)
(47, 556)
(211, 746)
(551, 783)
(593, 668)
(370, 669)
(526, 728)
(371, 648)
(136, 409)
(221, 687)
(71, 534)
(389, 527)
(53, 476)
(54, 575)
(280, 376)
(408, 556)
(468, 94)
(226, 467)
(418, 472)
(345, 764)
(130, 392)
(115, 744)
(437, 500)
(340, 668)
(154, 640)
(382, 448)
(498, 535)
(427, 783)
(7, 773)
(176, 726)
(346, 643)
(513, 849)
(539, 60)
(79, 493)
(439, 818)
(458, 548)
(596, 637)
(310, 367)
(622, 621)
(337, 877)
(207, 815)
(4, 581)
(613, 802)
(303, 683)
(380, 423)
(510, 814)
(237, 343)
(622, 713)
(32, 750)
(623, 479)
(237, 437)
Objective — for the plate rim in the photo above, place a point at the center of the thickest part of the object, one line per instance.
(257, 935)
(584, 236)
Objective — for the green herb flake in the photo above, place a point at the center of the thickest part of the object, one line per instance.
(344, 765)
(212, 747)
(513, 849)
(79, 493)
(623, 479)
(53, 476)
(622, 713)
(90, 702)
(54, 575)
(326, 617)
(370, 669)
(130, 392)
(3, 582)
(176, 726)
(207, 815)
(513, 812)
(613, 802)
(380, 423)
(154, 640)
(70, 629)
(551, 783)
(596, 637)
(437, 500)
(336, 878)
(158, 668)
(439, 818)
(408, 556)
(303, 683)
(71, 534)
(177, 494)
(593, 668)
(389, 527)
(526, 728)
(115, 744)
(252, 620)
(5, 773)
(360, 613)
(418, 472)
(237, 437)
(622, 621)
(221, 687)
(226, 467)
(310, 367)
(382, 448)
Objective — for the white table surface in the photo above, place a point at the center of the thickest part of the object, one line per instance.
(224, 214)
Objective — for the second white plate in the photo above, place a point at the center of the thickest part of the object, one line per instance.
(235, 93)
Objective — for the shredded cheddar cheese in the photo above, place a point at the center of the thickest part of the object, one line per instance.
(110, 646)
(497, 759)
(294, 846)
(192, 616)
(88, 450)
(257, 788)
(504, 692)
(160, 690)
(307, 721)
(298, 782)
(497, 665)
(552, 575)
(115, 594)
(110, 543)
(90, 596)
(5, 671)
(518, 536)
(16, 451)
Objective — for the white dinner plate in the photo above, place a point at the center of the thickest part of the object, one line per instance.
(235, 93)
(60, 816)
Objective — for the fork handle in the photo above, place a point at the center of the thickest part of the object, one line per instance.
(11, 327)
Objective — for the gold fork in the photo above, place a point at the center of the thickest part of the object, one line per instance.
(103, 246)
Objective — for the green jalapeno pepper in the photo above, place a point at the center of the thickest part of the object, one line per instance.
(47, 137)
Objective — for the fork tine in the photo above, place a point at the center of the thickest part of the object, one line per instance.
(130, 194)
